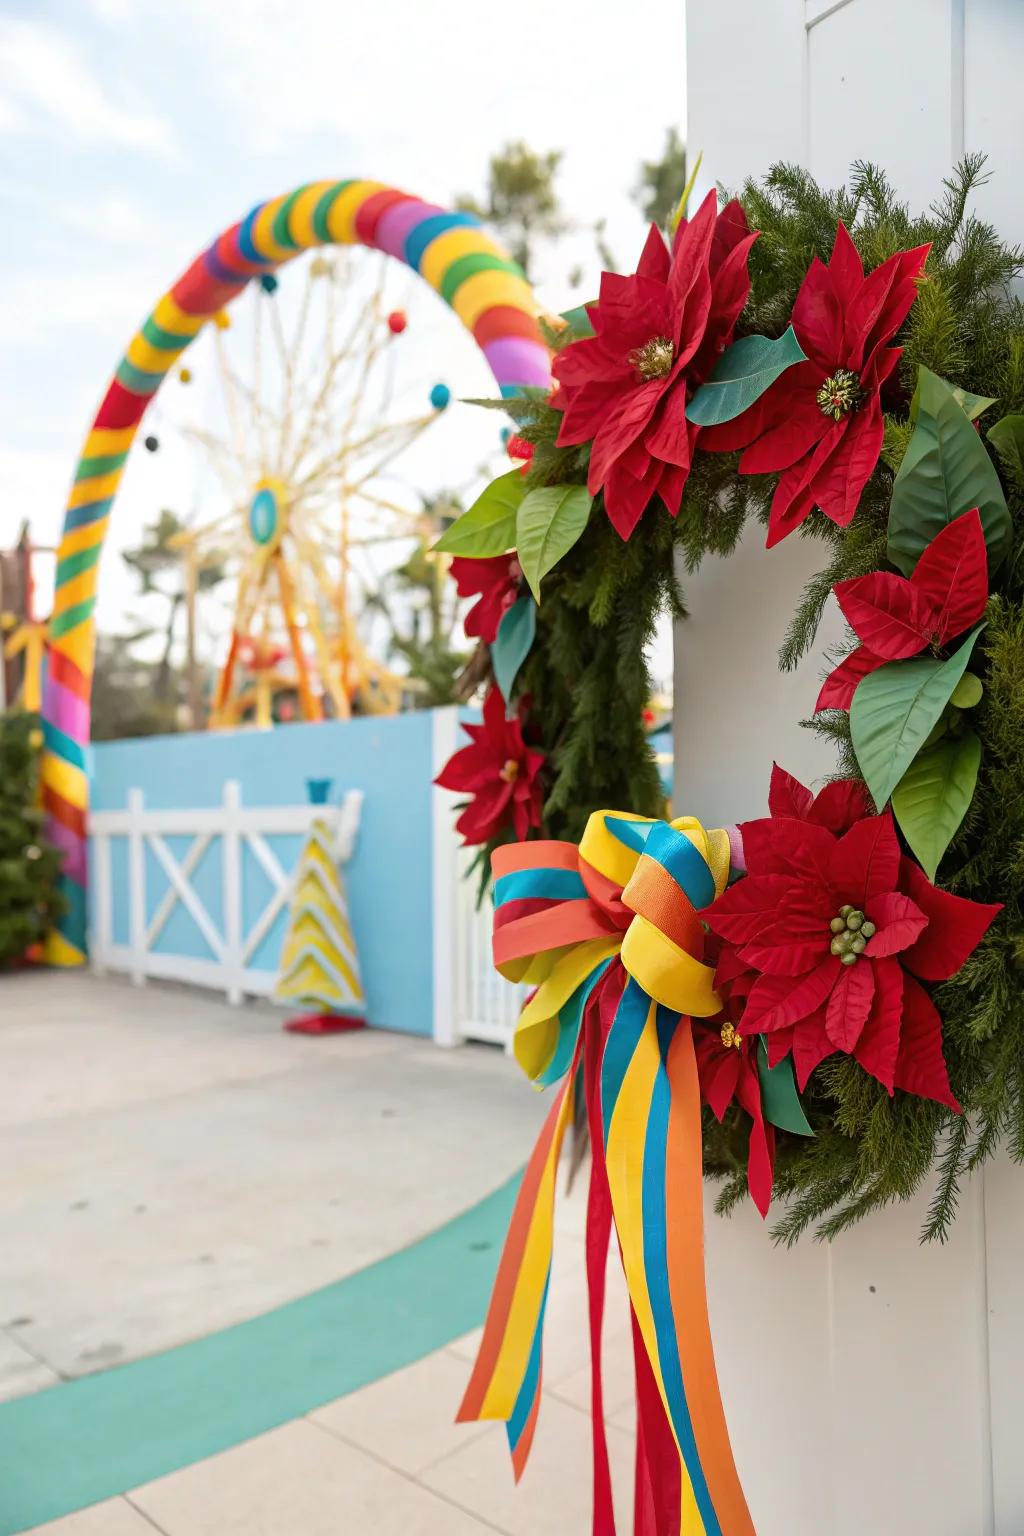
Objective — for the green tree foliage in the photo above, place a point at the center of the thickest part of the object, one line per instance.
(421, 608)
(157, 562)
(29, 902)
(126, 700)
(521, 201)
(660, 183)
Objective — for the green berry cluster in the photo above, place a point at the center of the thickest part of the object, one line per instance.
(851, 931)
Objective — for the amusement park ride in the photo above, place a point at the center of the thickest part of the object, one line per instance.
(306, 464)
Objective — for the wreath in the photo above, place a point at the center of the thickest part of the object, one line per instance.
(837, 368)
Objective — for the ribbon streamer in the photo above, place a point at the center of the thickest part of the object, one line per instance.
(609, 937)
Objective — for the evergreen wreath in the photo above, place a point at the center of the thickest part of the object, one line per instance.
(701, 392)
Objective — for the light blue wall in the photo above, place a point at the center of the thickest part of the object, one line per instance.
(389, 877)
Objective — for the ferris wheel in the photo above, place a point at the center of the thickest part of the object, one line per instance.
(304, 427)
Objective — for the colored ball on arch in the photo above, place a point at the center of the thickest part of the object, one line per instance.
(397, 322)
(440, 396)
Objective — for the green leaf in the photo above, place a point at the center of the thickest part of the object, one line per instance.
(742, 374)
(512, 643)
(932, 797)
(578, 321)
(945, 472)
(1007, 438)
(548, 523)
(894, 710)
(779, 1098)
(489, 526)
(973, 405)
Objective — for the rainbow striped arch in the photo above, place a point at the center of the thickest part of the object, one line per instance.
(450, 251)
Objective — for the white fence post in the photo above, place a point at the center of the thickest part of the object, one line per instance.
(103, 895)
(234, 953)
(136, 886)
(445, 880)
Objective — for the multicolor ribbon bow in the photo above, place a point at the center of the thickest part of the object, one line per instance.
(608, 933)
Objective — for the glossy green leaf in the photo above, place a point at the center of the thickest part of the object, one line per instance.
(945, 471)
(489, 526)
(932, 798)
(1007, 438)
(779, 1098)
(578, 321)
(894, 710)
(548, 523)
(973, 405)
(512, 643)
(742, 374)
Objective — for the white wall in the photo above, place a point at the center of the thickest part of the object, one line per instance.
(874, 1386)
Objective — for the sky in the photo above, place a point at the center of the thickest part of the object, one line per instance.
(133, 131)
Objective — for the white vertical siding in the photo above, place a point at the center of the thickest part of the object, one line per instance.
(873, 1386)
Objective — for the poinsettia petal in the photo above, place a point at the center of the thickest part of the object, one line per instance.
(887, 612)
(795, 495)
(486, 813)
(730, 287)
(865, 862)
(796, 434)
(787, 796)
(655, 258)
(839, 687)
(898, 921)
(878, 1046)
(747, 907)
(668, 437)
(720, 1069)
(956, 926)
(811, 1045)
(781, 955)
(952, 575)
(901, 294)
(761, 1149)
(776, 1001)
(840, 804)
(779, 1043)
(849, 1005)
(920, 1065)
(837, 486)
(693, 250)
(845, 268)
(781, 845)
(466, 770)
(817, 316)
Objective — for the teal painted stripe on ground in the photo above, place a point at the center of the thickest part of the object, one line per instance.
(91, 1439)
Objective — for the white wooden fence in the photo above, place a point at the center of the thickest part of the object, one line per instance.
(235, 942)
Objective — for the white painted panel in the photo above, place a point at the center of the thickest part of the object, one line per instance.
(879, 78)
(994, 110)
(909, 1375)
(744, 85)
(734, 711)
(1004, 1225)
(770, 1325)
(910, 1359)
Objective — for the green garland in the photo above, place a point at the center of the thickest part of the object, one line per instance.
(587, 682)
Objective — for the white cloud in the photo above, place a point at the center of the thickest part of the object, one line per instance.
(44, 79)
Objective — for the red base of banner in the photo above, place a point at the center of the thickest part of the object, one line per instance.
(324, 1024)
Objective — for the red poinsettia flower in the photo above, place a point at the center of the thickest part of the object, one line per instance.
(819, 426)
(827, 941)
(657, 335)
(727, 1071)
(499, 771)
(496, 580)
(895, 618)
